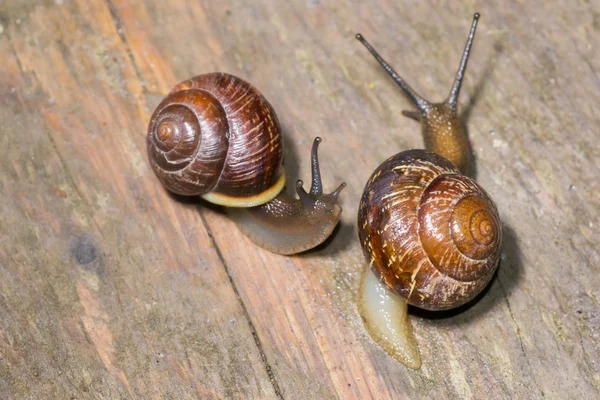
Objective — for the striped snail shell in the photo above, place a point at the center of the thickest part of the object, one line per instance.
(216, 136)
(430, 233)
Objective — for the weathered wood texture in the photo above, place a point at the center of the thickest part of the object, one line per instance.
(112, 288)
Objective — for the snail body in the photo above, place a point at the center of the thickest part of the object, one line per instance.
(289, 226)
(215, 136)
(431, 235)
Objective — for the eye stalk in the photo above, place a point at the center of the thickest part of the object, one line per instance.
(316, 187)
(309, 199)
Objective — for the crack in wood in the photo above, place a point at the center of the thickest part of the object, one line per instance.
(512, 316)
(119, 27)
(261, 351)
(72, 182)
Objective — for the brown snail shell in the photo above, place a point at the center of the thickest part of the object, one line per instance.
(216, 136)
(431, 234)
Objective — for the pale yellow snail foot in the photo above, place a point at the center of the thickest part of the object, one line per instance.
(385, 315)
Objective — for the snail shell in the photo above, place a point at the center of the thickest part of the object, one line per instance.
(216, 136)
(431, 234)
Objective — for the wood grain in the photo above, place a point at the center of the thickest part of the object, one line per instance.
(112, 288)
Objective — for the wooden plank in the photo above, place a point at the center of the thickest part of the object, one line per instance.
(111, 287)
(90, 242)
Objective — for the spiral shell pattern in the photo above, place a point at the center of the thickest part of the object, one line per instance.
(431, 234)
(216, 136)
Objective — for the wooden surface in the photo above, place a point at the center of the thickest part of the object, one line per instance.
(112, 288)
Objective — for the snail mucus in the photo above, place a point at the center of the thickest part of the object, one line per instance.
(215, 136)
(431, 235)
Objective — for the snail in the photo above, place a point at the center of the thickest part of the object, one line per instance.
(431, 235)
(215, 136)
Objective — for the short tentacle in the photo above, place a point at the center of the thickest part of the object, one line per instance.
(412, 114)
(307, 200)
(337, 191)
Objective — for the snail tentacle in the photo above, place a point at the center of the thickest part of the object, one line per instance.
(419, 101)
(316, 187)
(453, 96)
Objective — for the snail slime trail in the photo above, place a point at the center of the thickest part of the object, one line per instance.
(431, 236)
(215, 136)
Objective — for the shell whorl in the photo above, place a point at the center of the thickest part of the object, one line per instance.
(432, 234)
(216, 136)
(187, 141)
